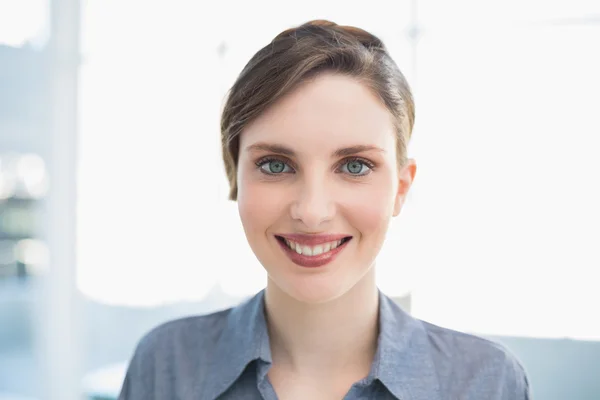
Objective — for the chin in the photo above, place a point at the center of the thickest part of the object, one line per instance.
(311, 290)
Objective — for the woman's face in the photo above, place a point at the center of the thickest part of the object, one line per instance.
(318, 183)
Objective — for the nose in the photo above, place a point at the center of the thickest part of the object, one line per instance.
(314, 204)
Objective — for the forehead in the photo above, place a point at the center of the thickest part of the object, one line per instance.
(327, 111)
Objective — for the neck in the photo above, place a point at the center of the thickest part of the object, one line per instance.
(325, 338)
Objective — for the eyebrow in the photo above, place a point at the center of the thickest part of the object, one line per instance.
(286, 151)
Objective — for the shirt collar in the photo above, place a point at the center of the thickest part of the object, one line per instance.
(402, 362)
(244, 339)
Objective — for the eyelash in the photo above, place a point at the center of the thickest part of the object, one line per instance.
(265, 160)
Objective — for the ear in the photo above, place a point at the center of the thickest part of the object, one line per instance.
(406, 176)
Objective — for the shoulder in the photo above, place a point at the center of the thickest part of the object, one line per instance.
(178, 348)
(475, 367)
(189, 332)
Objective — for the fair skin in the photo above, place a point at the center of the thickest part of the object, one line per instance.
(321, 161)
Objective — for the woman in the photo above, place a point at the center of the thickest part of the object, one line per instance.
(315, 133)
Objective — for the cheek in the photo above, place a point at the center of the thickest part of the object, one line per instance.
(371, 208)
(259, 204)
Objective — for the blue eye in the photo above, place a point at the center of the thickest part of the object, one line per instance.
(274, 167)
(356, 167)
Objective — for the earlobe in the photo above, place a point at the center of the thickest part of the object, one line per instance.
(398, 202)
(406, 176)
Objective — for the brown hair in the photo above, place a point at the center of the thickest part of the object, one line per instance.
(297, 54)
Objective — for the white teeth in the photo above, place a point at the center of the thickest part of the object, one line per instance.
(314, 250)
(317, 250)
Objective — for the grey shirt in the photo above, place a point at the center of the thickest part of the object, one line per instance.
(226, 355)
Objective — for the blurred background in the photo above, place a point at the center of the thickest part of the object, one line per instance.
(113, 210)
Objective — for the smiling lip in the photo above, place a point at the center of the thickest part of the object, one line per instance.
(312, 240)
